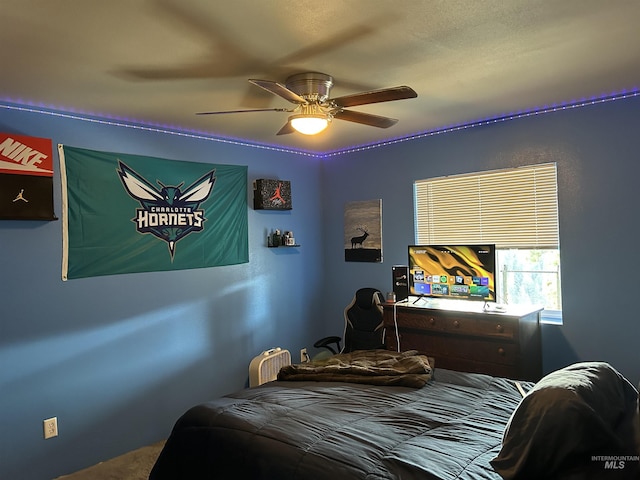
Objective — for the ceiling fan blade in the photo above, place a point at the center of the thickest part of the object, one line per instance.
(226, 58)
(278, 89)
(245, 111)
(365, 118)
(374, 96)
(335, 40)
(325, 46)
(286, 129)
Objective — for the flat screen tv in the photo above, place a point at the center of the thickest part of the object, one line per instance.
(460, 272)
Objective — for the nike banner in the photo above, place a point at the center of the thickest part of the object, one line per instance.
(128, 213)
(26, 178)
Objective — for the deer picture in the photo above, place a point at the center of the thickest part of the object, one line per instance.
(359, 240)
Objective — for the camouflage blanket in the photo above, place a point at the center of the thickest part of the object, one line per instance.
(375, 367)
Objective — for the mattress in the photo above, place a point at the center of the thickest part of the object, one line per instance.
(449, 429)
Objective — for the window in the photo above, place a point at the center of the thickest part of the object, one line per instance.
(517, 209)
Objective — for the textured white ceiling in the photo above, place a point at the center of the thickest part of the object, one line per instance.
(160, 61)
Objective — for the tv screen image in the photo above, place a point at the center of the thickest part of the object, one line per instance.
(461, 272)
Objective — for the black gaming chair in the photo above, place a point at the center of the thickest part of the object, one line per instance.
(363, 324)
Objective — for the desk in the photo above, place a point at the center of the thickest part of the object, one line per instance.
(468, 338)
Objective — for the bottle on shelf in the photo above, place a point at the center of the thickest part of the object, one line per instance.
(278, 238)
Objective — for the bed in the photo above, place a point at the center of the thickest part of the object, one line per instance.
(433, 424)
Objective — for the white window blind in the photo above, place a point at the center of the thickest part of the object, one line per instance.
(513, 208)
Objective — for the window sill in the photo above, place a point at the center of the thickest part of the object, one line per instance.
(551, 317)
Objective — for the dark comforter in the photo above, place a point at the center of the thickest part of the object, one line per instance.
(449, 429)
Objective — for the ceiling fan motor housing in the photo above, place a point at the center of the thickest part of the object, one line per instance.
(312, 86)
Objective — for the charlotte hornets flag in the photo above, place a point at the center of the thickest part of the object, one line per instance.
(128, 213)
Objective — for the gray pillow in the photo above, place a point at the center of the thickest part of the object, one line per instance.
(570, 415)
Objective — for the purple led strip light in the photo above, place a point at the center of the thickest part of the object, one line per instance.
(491, 120)
(172, 130)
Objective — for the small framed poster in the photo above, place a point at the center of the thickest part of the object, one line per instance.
(271, 194)
(363, 231)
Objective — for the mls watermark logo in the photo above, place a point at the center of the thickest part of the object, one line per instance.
(169, 213)
(620, 463)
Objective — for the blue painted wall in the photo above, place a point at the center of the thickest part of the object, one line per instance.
(597, 153)
(118, 359)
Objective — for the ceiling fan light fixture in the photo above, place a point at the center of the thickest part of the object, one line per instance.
(310, 124)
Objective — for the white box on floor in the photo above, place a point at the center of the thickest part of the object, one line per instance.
(265, 367)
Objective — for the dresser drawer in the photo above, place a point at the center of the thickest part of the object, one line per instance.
(419, 321)
(481, 327)
(452, 323)
(441, 346)
(504, 353)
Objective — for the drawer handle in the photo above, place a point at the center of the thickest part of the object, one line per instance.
(456, 323)
(501, 352)
(432, 321)
(499, 328)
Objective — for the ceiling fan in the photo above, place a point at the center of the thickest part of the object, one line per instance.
(314, 108)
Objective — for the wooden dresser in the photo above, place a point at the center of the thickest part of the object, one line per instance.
(505, 344)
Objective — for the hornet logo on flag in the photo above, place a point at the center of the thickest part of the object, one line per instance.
(168, 213)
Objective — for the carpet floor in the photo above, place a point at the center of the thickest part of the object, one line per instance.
(134, 465)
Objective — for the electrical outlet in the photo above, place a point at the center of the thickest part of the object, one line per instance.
(303, 355)
(50, 427)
